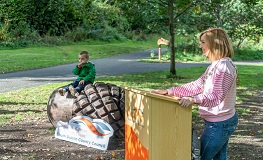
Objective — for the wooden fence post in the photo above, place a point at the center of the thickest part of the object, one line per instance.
(160, 42)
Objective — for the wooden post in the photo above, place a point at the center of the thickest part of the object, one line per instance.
(160, 42)
(159, 52)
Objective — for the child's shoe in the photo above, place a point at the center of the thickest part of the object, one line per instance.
(61, 91)
(72, 90)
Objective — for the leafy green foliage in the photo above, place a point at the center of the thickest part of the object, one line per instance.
(55, 17)
(24, 21)
(249, 54)
(105, 21)
(53, 22)
(242, 18)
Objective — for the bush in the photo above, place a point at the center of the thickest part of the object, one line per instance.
(77, 34)
(136, 35)
(189, 44)
(250, 51)
(106, 34)
(249, 54)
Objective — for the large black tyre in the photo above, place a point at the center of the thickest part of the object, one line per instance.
(100, 101)
(59, 108)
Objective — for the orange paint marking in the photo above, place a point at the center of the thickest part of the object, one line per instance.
(134, 149)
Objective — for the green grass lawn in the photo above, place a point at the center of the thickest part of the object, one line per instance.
(30, 103)
(39, 57)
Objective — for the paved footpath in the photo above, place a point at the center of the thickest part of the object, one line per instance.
(112, 66)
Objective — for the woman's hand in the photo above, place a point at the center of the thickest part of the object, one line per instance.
(163, 92)
(186, 101)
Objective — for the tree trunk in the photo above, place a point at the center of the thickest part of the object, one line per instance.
(172, 59)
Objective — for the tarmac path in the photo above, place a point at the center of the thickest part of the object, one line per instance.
(112, 66)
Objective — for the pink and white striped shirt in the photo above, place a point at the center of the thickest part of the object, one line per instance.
(214, 91)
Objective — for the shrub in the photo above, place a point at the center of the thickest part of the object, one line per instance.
(77, 34)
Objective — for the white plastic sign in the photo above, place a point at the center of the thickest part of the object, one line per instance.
(85, 131)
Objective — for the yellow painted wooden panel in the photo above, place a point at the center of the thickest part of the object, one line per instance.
(135, 104)
(136, 126)
(170, 131)
(162, 126)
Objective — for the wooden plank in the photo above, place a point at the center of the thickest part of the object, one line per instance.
(157, 127)
(171, 130)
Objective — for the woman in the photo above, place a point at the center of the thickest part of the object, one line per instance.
(214, 92)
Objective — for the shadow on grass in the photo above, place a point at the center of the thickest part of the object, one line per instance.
(20, 103)
(19, 111)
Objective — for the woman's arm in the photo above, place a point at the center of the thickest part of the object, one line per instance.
(222, 82)
(188, 89)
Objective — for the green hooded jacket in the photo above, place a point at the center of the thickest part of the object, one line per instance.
(87, 72)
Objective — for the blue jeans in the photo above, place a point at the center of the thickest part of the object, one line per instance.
(78, 87)
(214, 139)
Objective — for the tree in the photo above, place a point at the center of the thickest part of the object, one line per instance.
(143, 14)
(180, 8)
(241, 18)
(249, 22)
(171, 28)
(53, 17)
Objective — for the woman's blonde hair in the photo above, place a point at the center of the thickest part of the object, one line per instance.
(219, 43)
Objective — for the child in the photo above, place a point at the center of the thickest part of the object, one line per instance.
(86, 73)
